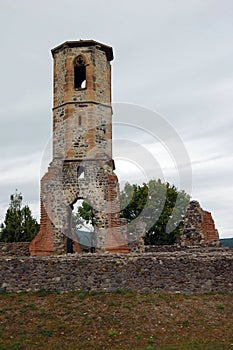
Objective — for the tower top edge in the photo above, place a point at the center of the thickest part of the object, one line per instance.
(85, 43)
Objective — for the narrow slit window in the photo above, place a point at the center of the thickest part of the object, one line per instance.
(79, 73)
(80, 120)
(80, 172)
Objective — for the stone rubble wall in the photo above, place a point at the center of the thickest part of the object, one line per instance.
(14, 249)
(176, 248)
(174, 272)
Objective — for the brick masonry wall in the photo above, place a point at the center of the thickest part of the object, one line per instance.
(208, 227)
(181, 271)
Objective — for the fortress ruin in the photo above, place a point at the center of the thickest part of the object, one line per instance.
(82, 166)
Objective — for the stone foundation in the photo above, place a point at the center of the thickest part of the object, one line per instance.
(184, 271)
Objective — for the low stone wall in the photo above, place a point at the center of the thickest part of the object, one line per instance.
(22, 248)
(14, 249)
(177, 248)
(162, 248)
(184, 272)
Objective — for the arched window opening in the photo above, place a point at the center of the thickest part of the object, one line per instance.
(79, 73)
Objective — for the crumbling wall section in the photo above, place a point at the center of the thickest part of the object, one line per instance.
(199, 227)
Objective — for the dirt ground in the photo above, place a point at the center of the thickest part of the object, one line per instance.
(119, 320)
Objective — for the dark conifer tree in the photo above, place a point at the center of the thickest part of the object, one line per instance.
(19, 225)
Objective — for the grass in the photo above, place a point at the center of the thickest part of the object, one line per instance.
(116, 321)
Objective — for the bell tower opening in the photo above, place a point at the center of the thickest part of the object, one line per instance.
(80, 73)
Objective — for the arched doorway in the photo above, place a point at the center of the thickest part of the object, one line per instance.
(82, 230)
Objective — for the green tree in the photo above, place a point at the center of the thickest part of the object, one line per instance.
(19, 225)
(159, 205)
(84, 215)
(30, 226)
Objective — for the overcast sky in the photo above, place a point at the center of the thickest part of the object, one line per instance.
(174, 57)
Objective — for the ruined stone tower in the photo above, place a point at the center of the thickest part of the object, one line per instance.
(82, 165)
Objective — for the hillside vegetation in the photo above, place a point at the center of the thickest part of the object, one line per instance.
(227, 242)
